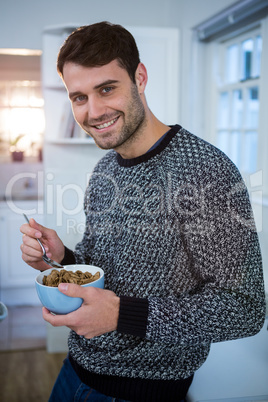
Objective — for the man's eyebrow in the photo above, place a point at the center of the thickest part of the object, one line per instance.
(102, 84)
(74, 94)
(107, 82)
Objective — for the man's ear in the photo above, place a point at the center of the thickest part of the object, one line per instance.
(141, 78)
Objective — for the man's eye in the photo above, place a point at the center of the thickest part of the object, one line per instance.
(80, 98)
(106, 90)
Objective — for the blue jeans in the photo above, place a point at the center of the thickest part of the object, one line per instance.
(69, 388)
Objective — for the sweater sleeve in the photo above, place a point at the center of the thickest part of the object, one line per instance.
(69, 257)
(224, 254)
(133, 313)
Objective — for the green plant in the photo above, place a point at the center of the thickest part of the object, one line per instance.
(14, 142)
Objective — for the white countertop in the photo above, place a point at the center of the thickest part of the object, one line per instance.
(234, 371)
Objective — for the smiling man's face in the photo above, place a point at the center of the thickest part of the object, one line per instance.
(106, 103)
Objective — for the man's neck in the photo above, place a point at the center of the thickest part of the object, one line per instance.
(149, 134)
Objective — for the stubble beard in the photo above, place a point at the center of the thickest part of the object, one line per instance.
(132, 128)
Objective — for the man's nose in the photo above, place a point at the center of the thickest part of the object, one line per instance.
(95, 108)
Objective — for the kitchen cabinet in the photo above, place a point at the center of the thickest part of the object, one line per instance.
(17, 279)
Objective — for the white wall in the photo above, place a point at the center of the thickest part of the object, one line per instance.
(22, 22)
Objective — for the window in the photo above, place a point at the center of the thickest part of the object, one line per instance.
(21, 115)
(238, 89)
(22, 119)
(230, 55)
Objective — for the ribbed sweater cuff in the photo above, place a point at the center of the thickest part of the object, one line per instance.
(69, 257)
(133, 314)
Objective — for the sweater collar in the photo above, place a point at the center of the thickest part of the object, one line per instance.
(148, 155)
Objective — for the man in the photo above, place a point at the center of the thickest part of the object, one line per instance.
(167, 218)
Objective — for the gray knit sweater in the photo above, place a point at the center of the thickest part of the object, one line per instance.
(173, 231)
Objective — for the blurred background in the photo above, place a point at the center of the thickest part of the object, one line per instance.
(207, 62)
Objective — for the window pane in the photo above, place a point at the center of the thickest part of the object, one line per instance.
(232, 60)
(250, 151)
(223, 111)
(247, 52)
(35, 97)
(235, 147)
(252, 108)
(3, 95)
(223, 141)
(238, 101)
(258, 44)
(21, 113)
(19, 96)
(26, 121)
(4, 129)
(237, 109)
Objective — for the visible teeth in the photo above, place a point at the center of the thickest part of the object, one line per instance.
(107, 124)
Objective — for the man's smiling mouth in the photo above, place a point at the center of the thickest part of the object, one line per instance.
(105, 125)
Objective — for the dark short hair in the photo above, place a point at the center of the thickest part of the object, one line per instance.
(99, 44)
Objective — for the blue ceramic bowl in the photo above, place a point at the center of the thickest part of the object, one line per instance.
(59, 303)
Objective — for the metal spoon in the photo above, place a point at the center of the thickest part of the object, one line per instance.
(47, 260)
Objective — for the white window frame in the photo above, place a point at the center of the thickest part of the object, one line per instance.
(221, 86)
(205, 99)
